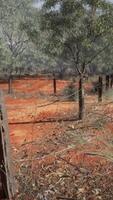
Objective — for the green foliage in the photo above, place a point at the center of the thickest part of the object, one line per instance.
(17, 49)
(77, 32)
(80, 31)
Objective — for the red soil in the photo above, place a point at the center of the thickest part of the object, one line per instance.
(23, 110)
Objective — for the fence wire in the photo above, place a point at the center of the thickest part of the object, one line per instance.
(50, 100)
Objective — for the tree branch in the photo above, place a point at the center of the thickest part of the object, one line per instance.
(98, 53)
(76, 60)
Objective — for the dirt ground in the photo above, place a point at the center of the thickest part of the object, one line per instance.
(56, 147)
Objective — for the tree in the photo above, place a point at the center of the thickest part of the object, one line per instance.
(15, 42)
(79, 31)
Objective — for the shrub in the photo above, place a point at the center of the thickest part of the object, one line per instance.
(94, 88)
(70, 92)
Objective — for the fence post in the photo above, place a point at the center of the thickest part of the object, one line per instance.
(6, 179)
(100, 89)
(54, 83)
(81, 98)
(107, 82)
(111, 81)
(10, 84)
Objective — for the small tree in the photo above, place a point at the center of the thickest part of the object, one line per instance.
(13, 39)
(78, 31)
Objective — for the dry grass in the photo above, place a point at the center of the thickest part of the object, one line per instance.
(61, 160)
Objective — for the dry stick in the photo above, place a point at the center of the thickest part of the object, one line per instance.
(71, 164)
(99, 155)
(65, 198)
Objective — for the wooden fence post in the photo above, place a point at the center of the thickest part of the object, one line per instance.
(100, 89)
(81, 98)
(54, 84)
(7, 188)
(111, 80)
(107, 82)
(10, 79)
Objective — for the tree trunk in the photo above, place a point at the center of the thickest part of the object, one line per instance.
(10, 85)
(100, 89)
(81, 99)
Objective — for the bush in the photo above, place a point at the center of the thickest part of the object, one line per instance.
(94, 88)
(108, 94)
(70, 92)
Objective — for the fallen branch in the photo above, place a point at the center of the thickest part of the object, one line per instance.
(65, 198)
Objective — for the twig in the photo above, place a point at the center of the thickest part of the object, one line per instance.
(65, 198)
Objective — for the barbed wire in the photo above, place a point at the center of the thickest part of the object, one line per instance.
(33, 158)
(45, 105)
(58, 99)
(53, 119)
(62, 99)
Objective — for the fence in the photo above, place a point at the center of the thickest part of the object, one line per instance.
(55, 100)
(7, 186)
(6, 178)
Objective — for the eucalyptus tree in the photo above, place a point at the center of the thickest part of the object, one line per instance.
(15, 42)
(79, 31)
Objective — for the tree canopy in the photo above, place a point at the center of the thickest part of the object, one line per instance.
(79, 31)
(78, 34)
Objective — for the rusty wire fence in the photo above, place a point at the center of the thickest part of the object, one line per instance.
(49, 108)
